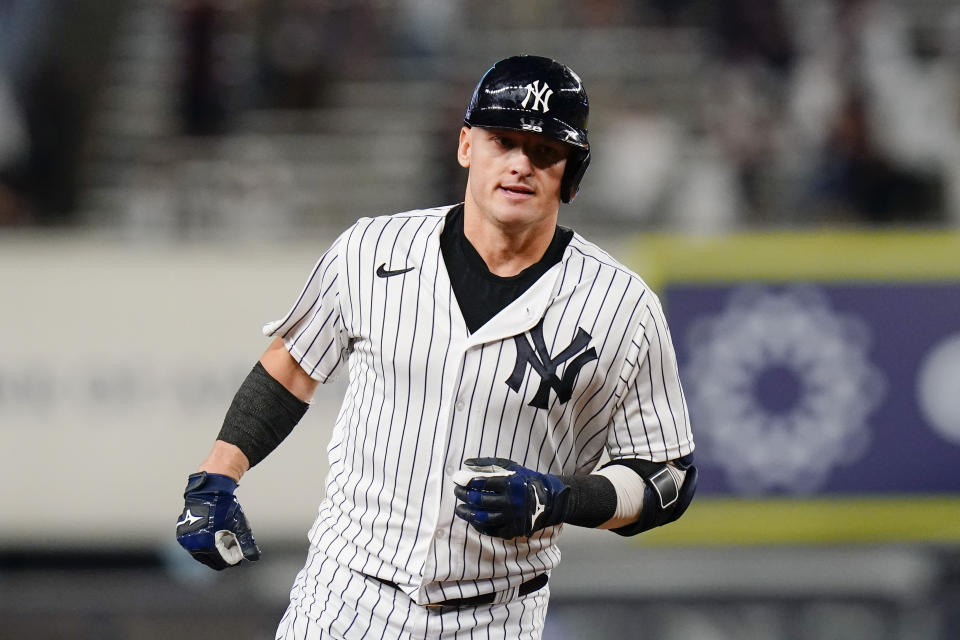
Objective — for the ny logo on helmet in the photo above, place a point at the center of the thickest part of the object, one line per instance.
(539, 359)
(540, 96)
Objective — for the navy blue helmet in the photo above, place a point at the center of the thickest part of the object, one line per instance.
(531, 93)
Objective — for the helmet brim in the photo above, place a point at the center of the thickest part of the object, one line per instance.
(521, 120)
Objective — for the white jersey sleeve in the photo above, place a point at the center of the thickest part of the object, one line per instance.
(313, 330)
(651, 420)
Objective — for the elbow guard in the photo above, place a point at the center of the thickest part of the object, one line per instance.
(663, 500)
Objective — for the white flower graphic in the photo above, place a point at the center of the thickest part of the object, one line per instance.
(815, 358)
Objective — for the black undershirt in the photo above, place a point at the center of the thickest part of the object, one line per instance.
(481, 294)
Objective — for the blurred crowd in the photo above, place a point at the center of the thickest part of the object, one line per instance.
(807, 112)
(860, 99)
(811, 113)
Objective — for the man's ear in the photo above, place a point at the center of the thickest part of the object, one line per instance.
(463, 151)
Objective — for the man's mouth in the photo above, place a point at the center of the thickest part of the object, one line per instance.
(517, 189)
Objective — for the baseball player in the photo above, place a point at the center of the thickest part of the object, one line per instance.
(492, 358)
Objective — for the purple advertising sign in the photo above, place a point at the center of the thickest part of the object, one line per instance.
(824, 388)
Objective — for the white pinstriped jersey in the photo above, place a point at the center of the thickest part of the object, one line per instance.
(580, 362)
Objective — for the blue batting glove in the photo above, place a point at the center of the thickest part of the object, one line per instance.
(503, 499)
(212, 526)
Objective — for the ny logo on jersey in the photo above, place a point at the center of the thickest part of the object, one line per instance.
(545, 365)
(540, 96)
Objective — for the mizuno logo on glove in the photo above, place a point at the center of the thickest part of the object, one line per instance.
(189, 519)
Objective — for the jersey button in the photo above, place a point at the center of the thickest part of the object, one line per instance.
(441, 534)
(460, 405)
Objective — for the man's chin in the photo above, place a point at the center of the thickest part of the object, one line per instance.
(521, 214)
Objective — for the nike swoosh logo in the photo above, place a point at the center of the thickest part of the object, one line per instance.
(382, 272)
(189, 518)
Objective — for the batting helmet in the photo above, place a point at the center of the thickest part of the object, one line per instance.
(531, 93)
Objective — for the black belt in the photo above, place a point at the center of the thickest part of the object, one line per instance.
(531, 585)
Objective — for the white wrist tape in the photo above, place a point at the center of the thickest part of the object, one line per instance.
(630, 488)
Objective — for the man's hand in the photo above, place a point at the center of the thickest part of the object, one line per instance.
(212, 526)
(501, 498)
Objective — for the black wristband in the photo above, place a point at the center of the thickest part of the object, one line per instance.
(592, 500)
(262, 414)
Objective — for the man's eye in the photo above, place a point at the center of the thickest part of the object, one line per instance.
(549, 153)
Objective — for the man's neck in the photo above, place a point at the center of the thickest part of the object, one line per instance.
(507, 250)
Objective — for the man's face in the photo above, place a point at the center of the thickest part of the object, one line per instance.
(514, 176)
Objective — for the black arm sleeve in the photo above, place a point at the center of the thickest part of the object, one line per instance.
(262, 414)
(592, 500)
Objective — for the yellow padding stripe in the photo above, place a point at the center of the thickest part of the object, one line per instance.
(880, 255)
(714, 521)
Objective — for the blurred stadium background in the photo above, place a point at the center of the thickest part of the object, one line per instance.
(786, 174)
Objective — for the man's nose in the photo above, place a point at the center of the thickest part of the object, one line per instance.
(520, 161)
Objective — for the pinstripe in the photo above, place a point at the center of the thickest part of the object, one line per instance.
(478, 453)
(643, 421)
(327, 589)
(473, 627)
(468, 410)
(650, 367)
(384, 377)
(370, 457)
(433, 574)
(353, 620)
(370, 617)
(423, 497)
(447, 596)
(419, 422)
(408, 386)
(357, 315)
(403, 625)
(410, 359)
(666, 388)
(308, 572)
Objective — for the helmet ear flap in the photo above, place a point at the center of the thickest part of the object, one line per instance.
(576, 166)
